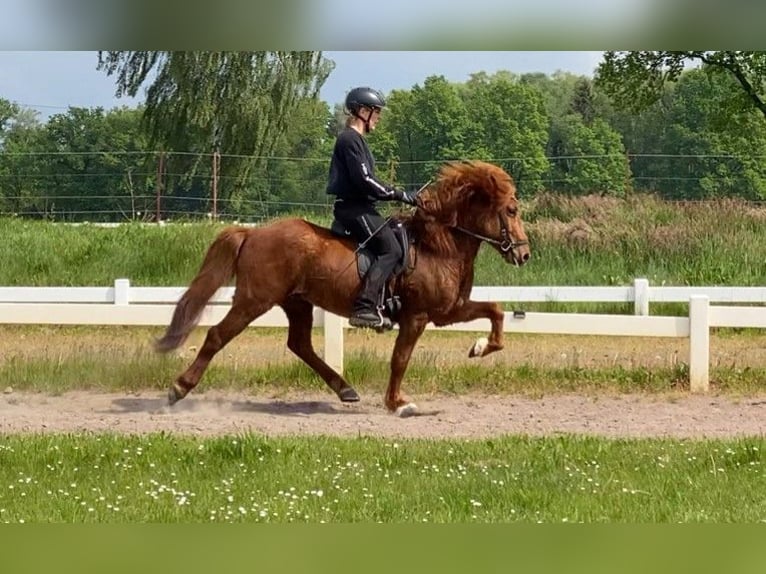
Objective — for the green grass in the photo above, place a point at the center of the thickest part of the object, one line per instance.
(56, 359)
(575, 241)
(365, 371)
(41, 253)
(250, 478)
(606, 241)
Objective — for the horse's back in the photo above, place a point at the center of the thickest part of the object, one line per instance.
(290, 225)
(301, 230)
(294, 239)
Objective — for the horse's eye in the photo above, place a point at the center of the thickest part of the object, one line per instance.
(512, 211)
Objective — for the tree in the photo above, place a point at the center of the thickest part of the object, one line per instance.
(583, 101)
(722, 157)
(20, 184)
(683, 146)
(509, 124)
(394, 142)
(98, 164)
(420, 129)
(592, 157)
(437, 127)
(635, 80)
(238, 103)
(8, 111)
(586, 154)
(297, 177)
(713, 115)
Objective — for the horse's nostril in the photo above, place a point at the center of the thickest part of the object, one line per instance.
(525, 257)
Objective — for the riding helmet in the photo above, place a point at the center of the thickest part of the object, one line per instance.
(364, 96)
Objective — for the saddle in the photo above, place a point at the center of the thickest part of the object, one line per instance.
(388, 301)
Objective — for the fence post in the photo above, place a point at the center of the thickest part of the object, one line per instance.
(121, 291)
(333, 341)
(159, 188)
(641, 296)
(699, 343)
(216, 167)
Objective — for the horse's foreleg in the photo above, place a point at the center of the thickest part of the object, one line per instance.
(239, 316)
(410, 330)
(300, 317)
(471, 310)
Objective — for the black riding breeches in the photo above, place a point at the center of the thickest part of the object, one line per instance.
(366, 224)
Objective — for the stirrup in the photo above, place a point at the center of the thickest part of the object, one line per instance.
(371, 320)
(385, 325)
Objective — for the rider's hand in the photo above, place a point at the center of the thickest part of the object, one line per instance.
(408, 197)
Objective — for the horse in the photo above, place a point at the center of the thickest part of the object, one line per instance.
(297, 265)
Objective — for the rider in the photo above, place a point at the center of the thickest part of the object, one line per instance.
(352, 180)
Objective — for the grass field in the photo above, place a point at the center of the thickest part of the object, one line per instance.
(163, 478)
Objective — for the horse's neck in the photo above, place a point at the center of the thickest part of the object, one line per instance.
(448, 244)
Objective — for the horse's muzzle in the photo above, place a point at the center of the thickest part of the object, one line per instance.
(518, 255)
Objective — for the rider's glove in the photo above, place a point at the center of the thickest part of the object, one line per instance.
(408, 197)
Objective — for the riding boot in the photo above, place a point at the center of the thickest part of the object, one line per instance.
(367, 312)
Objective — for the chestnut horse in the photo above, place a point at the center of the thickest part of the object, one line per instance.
(296, 265)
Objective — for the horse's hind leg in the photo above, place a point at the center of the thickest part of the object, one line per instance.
(239, 316)
(300, 317)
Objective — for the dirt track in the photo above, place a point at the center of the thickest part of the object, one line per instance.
(216, 413)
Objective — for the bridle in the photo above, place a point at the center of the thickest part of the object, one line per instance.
(505, 244)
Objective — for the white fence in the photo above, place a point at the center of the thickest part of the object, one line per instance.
(122, 304)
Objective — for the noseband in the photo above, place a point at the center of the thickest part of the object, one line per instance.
(505, 244)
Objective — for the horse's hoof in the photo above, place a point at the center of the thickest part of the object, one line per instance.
(174, 395)
(348, 395)
(408, 410)
(478, 347)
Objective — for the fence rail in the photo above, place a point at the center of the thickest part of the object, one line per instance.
(123, 304)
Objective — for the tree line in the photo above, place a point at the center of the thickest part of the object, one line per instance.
(245, 135)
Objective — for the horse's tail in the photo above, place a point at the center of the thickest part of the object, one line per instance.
(217, 268)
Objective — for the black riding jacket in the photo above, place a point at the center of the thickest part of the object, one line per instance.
(352, 171)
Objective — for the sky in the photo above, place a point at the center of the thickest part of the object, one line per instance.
(50, 82)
